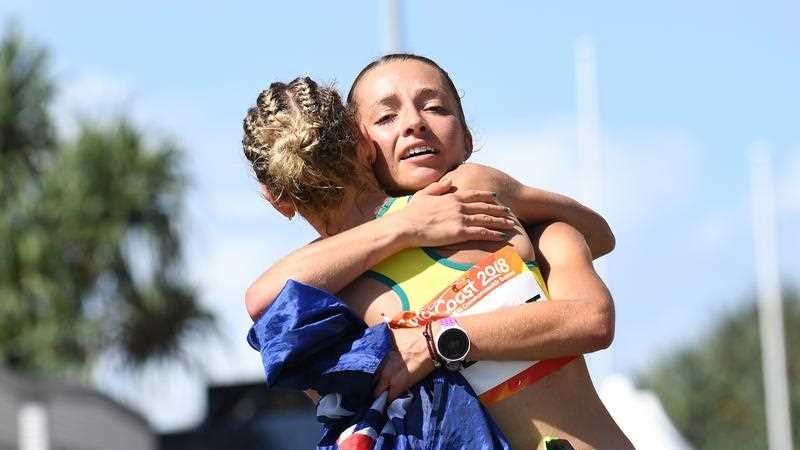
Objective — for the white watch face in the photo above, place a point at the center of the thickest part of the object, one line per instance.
(453, 344)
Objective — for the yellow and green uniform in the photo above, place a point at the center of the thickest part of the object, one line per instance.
(419, 274)
(429, 284)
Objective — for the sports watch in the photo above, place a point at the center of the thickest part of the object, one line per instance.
(452, 343)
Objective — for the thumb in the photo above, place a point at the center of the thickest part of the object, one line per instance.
(437, 187)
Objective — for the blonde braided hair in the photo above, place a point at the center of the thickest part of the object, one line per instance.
(301, 142)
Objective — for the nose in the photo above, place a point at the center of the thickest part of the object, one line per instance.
(414, 123)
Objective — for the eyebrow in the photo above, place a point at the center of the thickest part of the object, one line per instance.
(389, 100)
(427, 93)
(423, 94)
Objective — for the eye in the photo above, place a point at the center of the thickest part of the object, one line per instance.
(437, 109)
(385, 118)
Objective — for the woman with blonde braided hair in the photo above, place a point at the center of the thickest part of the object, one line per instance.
(301, 144)
(309, 157)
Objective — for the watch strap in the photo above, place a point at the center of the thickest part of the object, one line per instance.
(427, 332)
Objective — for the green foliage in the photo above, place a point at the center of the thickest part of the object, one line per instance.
(90, 248)
(26, 132)
(714, 392)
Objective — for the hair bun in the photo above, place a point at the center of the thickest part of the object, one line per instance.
(301, 142)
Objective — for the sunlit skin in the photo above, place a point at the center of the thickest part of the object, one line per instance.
(563, 404)
(413, 132)
(406, 104)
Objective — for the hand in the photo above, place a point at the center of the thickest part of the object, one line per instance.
(406, 366)
(437, 217)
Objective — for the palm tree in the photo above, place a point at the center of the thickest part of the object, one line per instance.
(90, 256)
(26, 132)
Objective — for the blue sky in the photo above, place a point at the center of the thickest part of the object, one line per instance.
(684, 89)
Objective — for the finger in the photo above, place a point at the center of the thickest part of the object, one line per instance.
(394, 392)
(437, 188)
(487, 208)
(491, 222)
(381, 385)
(473, 195)
(395, 389)
(383, 375)
(485, 234)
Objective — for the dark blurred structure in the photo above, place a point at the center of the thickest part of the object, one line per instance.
(52, 415)
(250, 417)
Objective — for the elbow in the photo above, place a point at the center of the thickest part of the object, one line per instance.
(602, 327)
(611, 243)
(256, 301)
(604, 337)
(605, 244)
(601, 239)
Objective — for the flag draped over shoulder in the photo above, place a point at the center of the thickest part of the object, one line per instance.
(309, 339)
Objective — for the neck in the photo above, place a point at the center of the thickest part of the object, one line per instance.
(358, 206)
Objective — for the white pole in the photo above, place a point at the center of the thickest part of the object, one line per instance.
(32, 425)
(392, 38)
(589, 150)
(770, 308)
(590, 157)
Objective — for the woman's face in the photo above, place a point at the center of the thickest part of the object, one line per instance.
(407, 114)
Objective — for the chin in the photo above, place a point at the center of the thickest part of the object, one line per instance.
(421, 178)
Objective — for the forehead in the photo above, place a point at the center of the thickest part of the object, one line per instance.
(398, 77)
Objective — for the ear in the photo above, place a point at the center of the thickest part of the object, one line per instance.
(283, 207)
(467, 144)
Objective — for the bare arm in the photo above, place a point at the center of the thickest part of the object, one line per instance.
(340, 259)
(536, 206)
(430, 220)
(578, 319)
(329, 264)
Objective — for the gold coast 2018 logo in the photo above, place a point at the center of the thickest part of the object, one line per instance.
(482, 279)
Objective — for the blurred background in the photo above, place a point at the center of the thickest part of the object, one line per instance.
(130, 225)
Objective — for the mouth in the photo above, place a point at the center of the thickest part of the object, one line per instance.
(419, 151)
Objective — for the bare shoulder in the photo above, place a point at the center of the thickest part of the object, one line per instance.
(470, 169)
(478, 176)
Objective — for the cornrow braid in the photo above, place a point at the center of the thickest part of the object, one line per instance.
(273, 99)
(301, 142)
(305, 93)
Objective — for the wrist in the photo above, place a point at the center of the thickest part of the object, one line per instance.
(402, 232)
